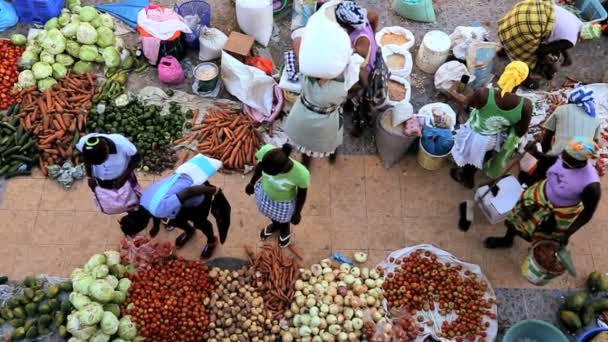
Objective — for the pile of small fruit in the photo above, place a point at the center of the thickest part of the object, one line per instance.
(580, 308)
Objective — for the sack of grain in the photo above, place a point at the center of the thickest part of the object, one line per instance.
(395, 35)
(398, 60)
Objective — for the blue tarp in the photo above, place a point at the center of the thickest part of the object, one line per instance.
(126, 10)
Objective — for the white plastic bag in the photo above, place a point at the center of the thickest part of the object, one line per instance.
(426, 112)
(408, 91)
(463, 36)
(396, 30)
(407, 67)
(211, 41)
(325, 50)
(248, 84)
(255, 18)
(162, 29)
(450, 73)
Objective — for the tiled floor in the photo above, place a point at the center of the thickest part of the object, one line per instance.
(353, 205)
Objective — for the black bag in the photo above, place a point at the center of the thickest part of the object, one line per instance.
(220, 209)
(377, 89)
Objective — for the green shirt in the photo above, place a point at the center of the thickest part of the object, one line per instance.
(284, 186)
(491, 120)
(569, 121)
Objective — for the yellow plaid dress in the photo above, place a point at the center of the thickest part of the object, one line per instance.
(524, 28)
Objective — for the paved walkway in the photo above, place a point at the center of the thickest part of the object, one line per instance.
(353, 205)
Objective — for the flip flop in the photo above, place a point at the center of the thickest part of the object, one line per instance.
(208, 250)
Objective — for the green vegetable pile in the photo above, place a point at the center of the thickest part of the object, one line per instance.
(151, 132)
(18, 152)
(581, 308)
(76, 39)
(99, 289)
(38, 311)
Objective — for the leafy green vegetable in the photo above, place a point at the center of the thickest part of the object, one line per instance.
(46, 57)
(78, 300)
(101, 291)
(90, 314)
(100, 271)
(64, 59)
(41, 70)
(46, 83)
(72, 48)
(112, 258)
(111, 57)
(126, 328)
(88, 13)
(86, 34)
(59, 71)
(88, 53)
(109, 323)
(106, 20)
(18, 39)
(26, 79)
(54, 42)
(105, 37)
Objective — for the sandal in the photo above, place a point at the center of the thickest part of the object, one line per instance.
(284, 241)
(208, 250)
(181, 240)
(266, 233)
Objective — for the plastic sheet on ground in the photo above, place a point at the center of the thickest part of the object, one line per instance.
(434, 316)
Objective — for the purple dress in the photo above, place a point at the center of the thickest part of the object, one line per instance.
(565, 186)
(368, 33)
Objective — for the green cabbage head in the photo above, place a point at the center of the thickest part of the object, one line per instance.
(87, 13)
(41, 70)
(82, 67)
(111, 57)
(101, 291)
(46, 83)
(105, 37)
(54, 42)
(126, 328)
(109, 323)
(90, 314)
(86, 34)
(26, 79)
(64, 59)
(59, 71)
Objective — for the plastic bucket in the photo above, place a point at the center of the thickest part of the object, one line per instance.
(205, 77)
(429, 161)
(589, 335)
(533, 271)
(433, 52)
(534, 330)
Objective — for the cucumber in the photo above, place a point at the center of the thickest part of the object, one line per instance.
(23, 159)
(5, 140)
(11, 151)
(8, 126)
(27, 145)
(14, 121)
(23, 138)
(4, 170)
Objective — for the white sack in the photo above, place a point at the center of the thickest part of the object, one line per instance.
(255, 18)
(211, 41)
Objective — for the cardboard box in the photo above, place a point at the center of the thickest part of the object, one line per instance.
(497, 207)
(239, 45)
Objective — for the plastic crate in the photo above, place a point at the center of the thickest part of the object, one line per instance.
(37, 11)
(196, 7)
(591, 10)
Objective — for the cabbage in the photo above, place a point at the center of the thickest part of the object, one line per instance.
(41, 70)
(69, 30)
(51, 24)
(78, 328)
(101, 291)
(59, 71)
(109, 323)
(34, 47)
(18, 39)
(118, 270)
(40, 36)
(96, 22)
(63, 19)
(116, 340)
(95, 260)
(118, 297)
(112, 258)
(26, 79)
(111, 57)
(78, 273)
(88, 53)
(112, 280)
(72, 48)
(76, 9)
(28, 58)
(100, 271)
(64, 59)
(47, 58)
(86, 34)
(78, 300)
(90, 314)
(46, 83)
(124, 284)
(87, 13)
(81, 285)
(105, 37)
(82, 67)
(99, 337)
(54, 42)
(75, 18)
(106, 20)
(126, 328)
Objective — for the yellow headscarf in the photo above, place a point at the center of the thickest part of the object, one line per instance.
(515, 73)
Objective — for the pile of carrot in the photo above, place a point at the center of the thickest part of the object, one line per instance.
(225, 134)
(57, 117)
(276, 275)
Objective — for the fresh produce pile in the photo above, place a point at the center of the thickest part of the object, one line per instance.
(99, 288)
(166, 301)
(144, 126)
(38, 310)
(580, 308)
(236, 310)
(228, 135)
(425, 286)
(111, 88)
(18, 152)
(276, 275)
(9, 56)
(76, 39)
(57, 117)
(330, 303)
(142, 252)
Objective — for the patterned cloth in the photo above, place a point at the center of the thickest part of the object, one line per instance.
(351, 14)
(281, 212)
(524, 28)
(583, 97)
(291, 67)
(534, 209)
(581, 148)
(515, 73)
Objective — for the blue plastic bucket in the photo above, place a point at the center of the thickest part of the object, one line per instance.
(588, 335)
(534, 330)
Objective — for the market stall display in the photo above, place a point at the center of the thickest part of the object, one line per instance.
(10, 53)
(18, 151)
(142, 252)
(450, 300)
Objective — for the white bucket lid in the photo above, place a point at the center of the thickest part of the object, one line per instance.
(437, 41)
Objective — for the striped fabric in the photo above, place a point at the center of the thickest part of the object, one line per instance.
(534, 209)
(524, 28)
(199, 168)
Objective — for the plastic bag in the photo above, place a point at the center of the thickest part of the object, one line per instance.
(480, 62)
(408, 90)
(426, 112)
(8, 16)
(325, 49)
(449, 74)
(437, 141)
(255, 18)
(302, 11)
(463, 37)
(401, 113)
(161, 22)
(418, 10)
(412, 127)
(220, 209)
(170, 71)
(409, 36)
(211, 41)
(261, 63)
(248, 84)
(118, 201)
(277, 106)
(495, 167)
(406, 70)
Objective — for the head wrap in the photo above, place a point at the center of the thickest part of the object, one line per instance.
(583, 97)
(348, 13)
(581, 148)
(515, 73)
